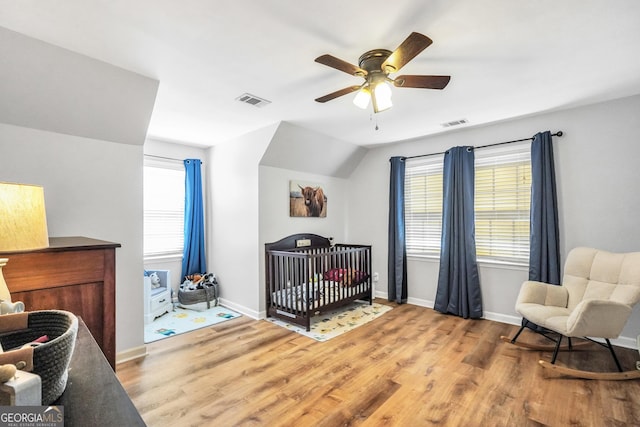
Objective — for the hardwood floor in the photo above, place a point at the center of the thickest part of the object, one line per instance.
(410, 367)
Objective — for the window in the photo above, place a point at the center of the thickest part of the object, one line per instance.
(163, 208)
(423, 205)
(502, 198)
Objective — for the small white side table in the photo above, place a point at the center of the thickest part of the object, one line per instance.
(157, 301)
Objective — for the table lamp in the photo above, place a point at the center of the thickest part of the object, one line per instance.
(23, 224)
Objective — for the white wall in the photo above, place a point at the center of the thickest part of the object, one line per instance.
(596, 166)
(296, 148)
(296, 153)
(234, 255)
(46, 87)
(275, 222)
(93, 189)
(249, 197)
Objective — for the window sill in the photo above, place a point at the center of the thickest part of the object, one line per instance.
(171, 257)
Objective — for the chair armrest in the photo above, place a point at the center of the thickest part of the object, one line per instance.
(533, 292)
(598, 319)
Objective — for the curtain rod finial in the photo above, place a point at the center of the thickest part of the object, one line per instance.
(559, 133)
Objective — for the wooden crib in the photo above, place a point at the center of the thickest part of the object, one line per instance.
(305, 275)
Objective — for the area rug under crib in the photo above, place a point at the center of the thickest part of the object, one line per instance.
(183, 320)
(336, 322)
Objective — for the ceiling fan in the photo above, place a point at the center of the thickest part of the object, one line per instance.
(375, 67)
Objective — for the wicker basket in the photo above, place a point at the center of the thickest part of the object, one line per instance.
(208, 294)
(50, 359)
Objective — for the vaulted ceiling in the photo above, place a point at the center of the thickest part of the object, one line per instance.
(506, 58)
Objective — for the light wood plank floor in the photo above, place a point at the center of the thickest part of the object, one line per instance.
(411, 367)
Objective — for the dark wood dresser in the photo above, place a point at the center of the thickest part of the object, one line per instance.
(76, 274)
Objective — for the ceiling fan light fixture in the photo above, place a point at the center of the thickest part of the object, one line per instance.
(381, 97)
(362, 98)
(375, 66)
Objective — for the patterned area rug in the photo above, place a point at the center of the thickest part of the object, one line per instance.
(336, 322)
(183, 320)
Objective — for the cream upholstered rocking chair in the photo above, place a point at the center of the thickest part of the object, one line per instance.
(598, 292)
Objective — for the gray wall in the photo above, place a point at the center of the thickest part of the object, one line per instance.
(596, 166)
(275, 222)
(234, 255)
(76, 126)
(56, 121)
(45, 87)
(94, 189)
(249, 202)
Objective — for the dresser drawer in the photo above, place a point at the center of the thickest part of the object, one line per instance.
(159, 301)
(31, 271)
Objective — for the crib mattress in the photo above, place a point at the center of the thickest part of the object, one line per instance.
(295, 297)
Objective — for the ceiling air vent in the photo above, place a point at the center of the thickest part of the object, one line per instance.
(247, 98)
(455, 123)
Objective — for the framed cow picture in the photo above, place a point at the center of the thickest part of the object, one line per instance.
(307, 199)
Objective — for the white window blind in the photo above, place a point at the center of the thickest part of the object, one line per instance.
(423, 205)
(502, 198)
(163, 207)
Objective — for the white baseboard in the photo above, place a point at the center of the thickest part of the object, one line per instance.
(420, 302)
(413, 301)
(241, 309)
(503, 318)
(380, 294)
(131, 354)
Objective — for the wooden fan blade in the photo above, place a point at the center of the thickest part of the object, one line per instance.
(338, 93)
(413, 45)
(423, 82)
(339, 64)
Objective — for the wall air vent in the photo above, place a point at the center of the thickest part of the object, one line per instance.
(455, 123)
(247, 98)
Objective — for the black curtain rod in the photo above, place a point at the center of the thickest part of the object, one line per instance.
(559, 133)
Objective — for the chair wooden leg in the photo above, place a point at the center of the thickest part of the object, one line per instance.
(613, 353)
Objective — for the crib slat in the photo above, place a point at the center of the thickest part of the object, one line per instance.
(296, 284)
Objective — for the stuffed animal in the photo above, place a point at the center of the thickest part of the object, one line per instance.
(7, 372)
(155, 280)
(199, 281)
(209, 279)
(194, 278)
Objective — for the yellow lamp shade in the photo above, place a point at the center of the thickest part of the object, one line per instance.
(23, 219)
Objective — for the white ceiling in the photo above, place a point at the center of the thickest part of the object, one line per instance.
(506, 58)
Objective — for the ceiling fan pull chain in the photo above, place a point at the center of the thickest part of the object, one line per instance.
(371, 119)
